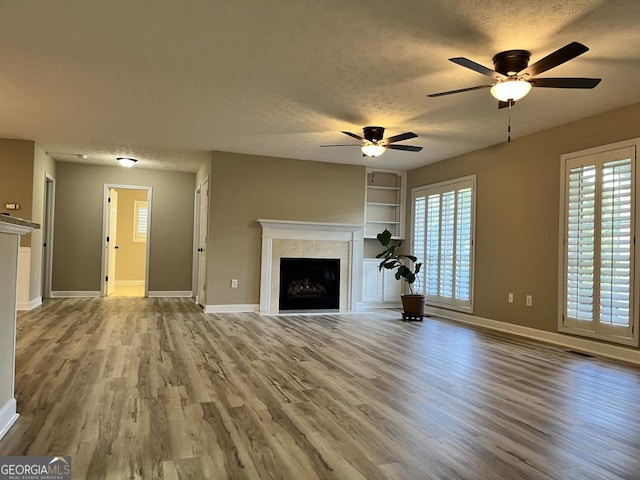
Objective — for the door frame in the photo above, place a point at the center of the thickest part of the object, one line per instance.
(105, 211)
(199, 196)
(47, 234)
(196, 242)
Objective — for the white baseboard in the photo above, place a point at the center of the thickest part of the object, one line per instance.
(574, 343)
(377, 305)
(238, 308)
(255, 308)
(74, 294)
(177, 293)
(8, 416)
(36, 302)
(135, 283)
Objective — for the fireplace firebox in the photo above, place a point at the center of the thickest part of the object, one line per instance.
(309, 283)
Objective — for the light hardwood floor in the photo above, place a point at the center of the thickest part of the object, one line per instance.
(136, 388)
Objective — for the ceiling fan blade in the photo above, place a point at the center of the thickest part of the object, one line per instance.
(343, 145)
(476, 67)
(554, 59)
(451, 92)
(399, 138)
(566, 82)
(354, 135)
(407, 148)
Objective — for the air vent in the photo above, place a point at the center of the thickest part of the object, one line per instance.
(580, 354)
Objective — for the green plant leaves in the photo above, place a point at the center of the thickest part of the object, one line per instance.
(384, 238)
(391, 260)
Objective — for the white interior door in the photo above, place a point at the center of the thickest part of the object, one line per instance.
(111, 245)
(202, 243)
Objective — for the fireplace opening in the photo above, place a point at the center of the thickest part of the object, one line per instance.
(309, 283)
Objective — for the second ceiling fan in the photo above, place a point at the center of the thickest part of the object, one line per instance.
(373, 144)
(515, 77)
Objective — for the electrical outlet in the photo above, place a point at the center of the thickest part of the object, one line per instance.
(510, 298)
(234, 283)
(529, 300)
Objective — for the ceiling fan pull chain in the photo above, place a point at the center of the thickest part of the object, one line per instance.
(509, 126)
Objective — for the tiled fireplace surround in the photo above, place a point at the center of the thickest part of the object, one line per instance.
(292, 239)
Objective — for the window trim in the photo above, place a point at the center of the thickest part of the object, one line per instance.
(440, 185)
(633, 340)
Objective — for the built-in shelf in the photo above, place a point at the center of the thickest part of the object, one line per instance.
(385, 202)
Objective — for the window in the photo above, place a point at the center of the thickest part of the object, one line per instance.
(443, 232)
(140, 221)
(598, 244)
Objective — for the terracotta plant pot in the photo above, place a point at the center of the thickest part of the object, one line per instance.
(413, 306)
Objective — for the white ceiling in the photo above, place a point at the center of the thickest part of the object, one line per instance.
(167, 81)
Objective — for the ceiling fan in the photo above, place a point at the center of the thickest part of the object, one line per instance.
(515, 77)
(373, 144)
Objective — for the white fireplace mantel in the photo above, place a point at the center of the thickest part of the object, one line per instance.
(311, 237)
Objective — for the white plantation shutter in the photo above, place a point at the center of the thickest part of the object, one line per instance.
(580, 242)
(443, 219)
(140, 221)
(463, 244)
(447, 243)
(432, 266)
(599, 244)
(419, 246)
(615, 243)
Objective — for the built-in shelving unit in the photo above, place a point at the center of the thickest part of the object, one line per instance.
(385, 202)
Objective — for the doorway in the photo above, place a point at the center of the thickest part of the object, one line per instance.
(126, 240)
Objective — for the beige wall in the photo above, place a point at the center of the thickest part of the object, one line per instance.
(78, 225)
(43, 165)
(517, 220)
(16, 179)
(244, 188)
(131, 256)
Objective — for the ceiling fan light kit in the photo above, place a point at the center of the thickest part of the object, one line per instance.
(511, 89)
(372, 149)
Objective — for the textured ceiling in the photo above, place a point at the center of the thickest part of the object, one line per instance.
(167, 81)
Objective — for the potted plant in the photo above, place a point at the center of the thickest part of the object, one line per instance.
(412, 303)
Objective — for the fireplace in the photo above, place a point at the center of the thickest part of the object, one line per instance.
(311, 240)
(309, 283)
